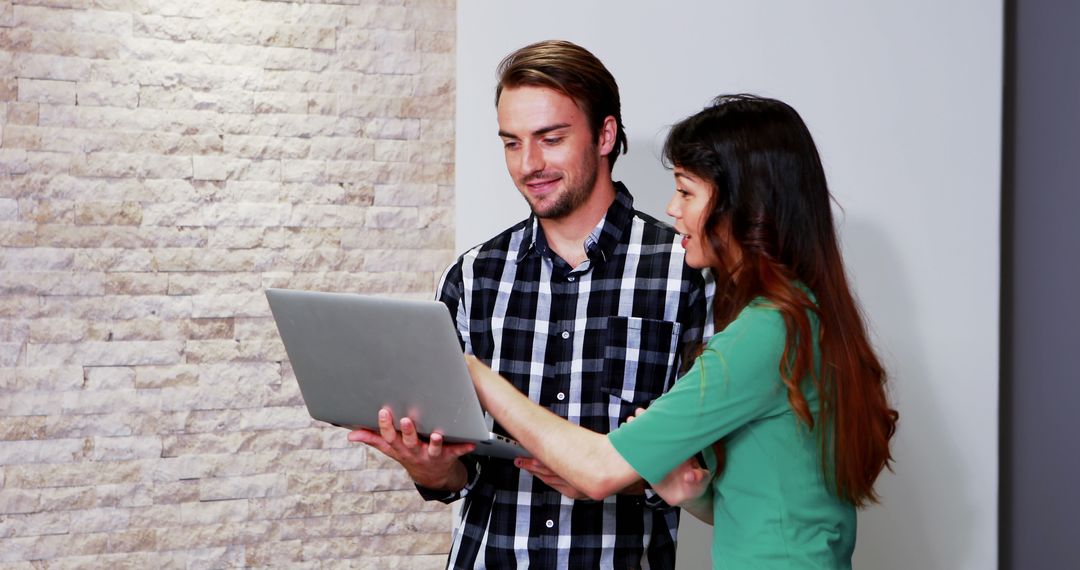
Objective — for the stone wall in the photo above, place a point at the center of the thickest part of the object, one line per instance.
(162, 162)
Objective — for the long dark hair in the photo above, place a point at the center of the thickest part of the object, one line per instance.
(769, 187)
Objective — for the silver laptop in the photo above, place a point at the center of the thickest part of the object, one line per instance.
(354, 354)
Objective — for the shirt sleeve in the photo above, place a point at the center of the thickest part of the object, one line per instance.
(472, 474)
(735, 381)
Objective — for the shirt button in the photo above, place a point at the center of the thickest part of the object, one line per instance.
(560, 396)
(566, 334)
(570, 278)
(550, 523)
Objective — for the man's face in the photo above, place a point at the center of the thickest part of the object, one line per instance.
(550, 150)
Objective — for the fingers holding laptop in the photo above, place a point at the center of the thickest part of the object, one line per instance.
(433, 464)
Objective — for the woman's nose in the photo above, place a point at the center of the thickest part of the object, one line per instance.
(672, 208)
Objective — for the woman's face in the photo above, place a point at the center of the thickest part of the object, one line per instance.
(689, 206)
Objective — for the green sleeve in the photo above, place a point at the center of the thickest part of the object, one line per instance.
(735, 381)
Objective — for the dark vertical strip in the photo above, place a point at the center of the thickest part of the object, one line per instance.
(1008, 192)
(1040, 383)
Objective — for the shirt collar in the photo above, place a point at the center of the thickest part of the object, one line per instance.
(601, 241)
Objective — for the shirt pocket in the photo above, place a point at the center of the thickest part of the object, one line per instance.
(638, 359)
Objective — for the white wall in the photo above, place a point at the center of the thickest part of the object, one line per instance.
(904, 102)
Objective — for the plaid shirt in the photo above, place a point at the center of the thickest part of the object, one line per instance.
(591, 344)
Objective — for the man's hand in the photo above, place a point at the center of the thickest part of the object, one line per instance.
(433, 464)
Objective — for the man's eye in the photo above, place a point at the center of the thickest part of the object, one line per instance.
(553, 140)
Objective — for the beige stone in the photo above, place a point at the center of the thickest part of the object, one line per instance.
(13, 161)
(114, 259)
(314, 193)
(47, 91)
(17, 234)
(292, 507)
(201, 534)
(12, 353)
(106, 94)
(391, 217)
(33, 524)
(42, 451)
(88, 425)
(248, 487)
(54, 546)
(405, 194)
(269, 554)
(108, 401)
(18, 501)
(265, 147)
(117, 353)
(163, 163)
(7, 14)
(125, 448)
(52, 476)
(46, 379)
(402, 523)
(108, 377)
(108, 213)
(352, 504)
(19, 113)
(214, 512)
(346, 148)
(165, 376)
(221, 557)
(22, 428)
(136, 284)
(260, 328)
(303, 170)
(221, 305)
(210, 168)
(14, 330)
(404, 502)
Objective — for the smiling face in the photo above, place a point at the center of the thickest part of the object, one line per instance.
(690, 207)
(550, 150)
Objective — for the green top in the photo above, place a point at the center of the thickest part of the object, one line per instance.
(771, 505)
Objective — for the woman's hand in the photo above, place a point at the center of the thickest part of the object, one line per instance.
(482, 377)
(687, 482)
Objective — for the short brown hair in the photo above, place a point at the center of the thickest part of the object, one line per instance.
(572, 70)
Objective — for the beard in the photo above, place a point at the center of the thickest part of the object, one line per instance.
(578, 189)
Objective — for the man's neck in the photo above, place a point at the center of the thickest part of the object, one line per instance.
(566, 236)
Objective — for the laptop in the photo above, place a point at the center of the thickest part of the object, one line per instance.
(353, 354)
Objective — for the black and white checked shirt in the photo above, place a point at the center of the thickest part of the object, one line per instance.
(591, 344)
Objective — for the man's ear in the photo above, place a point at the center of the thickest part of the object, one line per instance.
(606, 139)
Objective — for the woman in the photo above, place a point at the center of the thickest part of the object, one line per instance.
(789, 392)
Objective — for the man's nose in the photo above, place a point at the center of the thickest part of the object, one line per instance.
(532, 159)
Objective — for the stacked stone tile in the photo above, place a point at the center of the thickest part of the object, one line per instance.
(162, 162)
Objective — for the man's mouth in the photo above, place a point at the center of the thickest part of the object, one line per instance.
(542, 185)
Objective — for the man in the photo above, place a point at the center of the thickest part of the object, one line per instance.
(585, 306)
